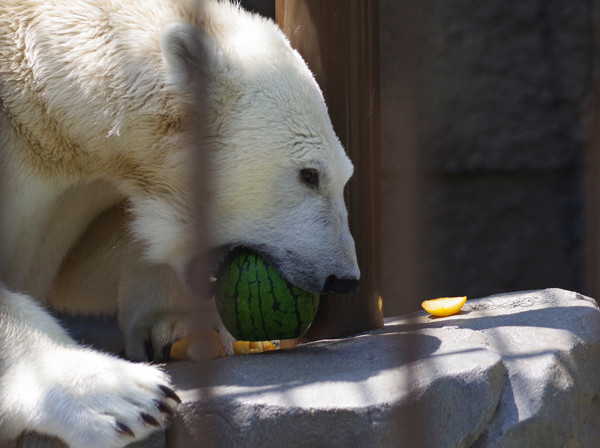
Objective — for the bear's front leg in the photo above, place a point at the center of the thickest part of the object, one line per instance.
(155, 311)
(107, 271)
(50, 385)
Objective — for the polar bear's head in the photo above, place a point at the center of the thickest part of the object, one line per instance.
(278, 170)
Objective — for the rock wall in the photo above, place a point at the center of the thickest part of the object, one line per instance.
(495, 95)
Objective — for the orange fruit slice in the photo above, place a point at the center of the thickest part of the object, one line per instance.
(201, 346)
(444, 306)
(245, 347)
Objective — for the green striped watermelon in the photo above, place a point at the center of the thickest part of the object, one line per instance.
(256, 304)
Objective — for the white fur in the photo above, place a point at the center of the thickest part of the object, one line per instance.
(97, 211)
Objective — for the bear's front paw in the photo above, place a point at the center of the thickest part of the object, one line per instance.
(90, 399)
(151, 339)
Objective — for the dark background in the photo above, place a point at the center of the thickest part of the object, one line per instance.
(501, 98)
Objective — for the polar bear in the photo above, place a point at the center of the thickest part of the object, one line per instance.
(98, 141)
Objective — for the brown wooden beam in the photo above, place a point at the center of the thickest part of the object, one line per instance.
(339, 40)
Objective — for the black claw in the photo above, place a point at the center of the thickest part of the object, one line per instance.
(148, 349)
(123, 429)
(166, 352)
(164, 408)
(149, 420)
(169, 393)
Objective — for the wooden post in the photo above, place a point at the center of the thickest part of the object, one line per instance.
(339, 40)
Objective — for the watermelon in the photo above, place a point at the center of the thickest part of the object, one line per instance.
(256, 304)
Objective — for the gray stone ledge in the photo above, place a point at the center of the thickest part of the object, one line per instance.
(519, 369)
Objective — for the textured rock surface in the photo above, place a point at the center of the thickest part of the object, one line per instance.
(511, 370)
(497, 138)
(516, 75)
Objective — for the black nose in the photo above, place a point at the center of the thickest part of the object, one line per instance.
(340, 285)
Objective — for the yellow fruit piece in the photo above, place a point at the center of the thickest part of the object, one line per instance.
(179, 349)
(245, 347)
(268, 346)
(201, 346)
(241, 347)
(444, 306)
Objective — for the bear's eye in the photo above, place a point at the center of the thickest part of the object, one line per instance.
(310, 177)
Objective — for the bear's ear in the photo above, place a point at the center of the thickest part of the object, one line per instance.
(186, 50)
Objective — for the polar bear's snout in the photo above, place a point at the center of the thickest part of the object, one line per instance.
(340, 285)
